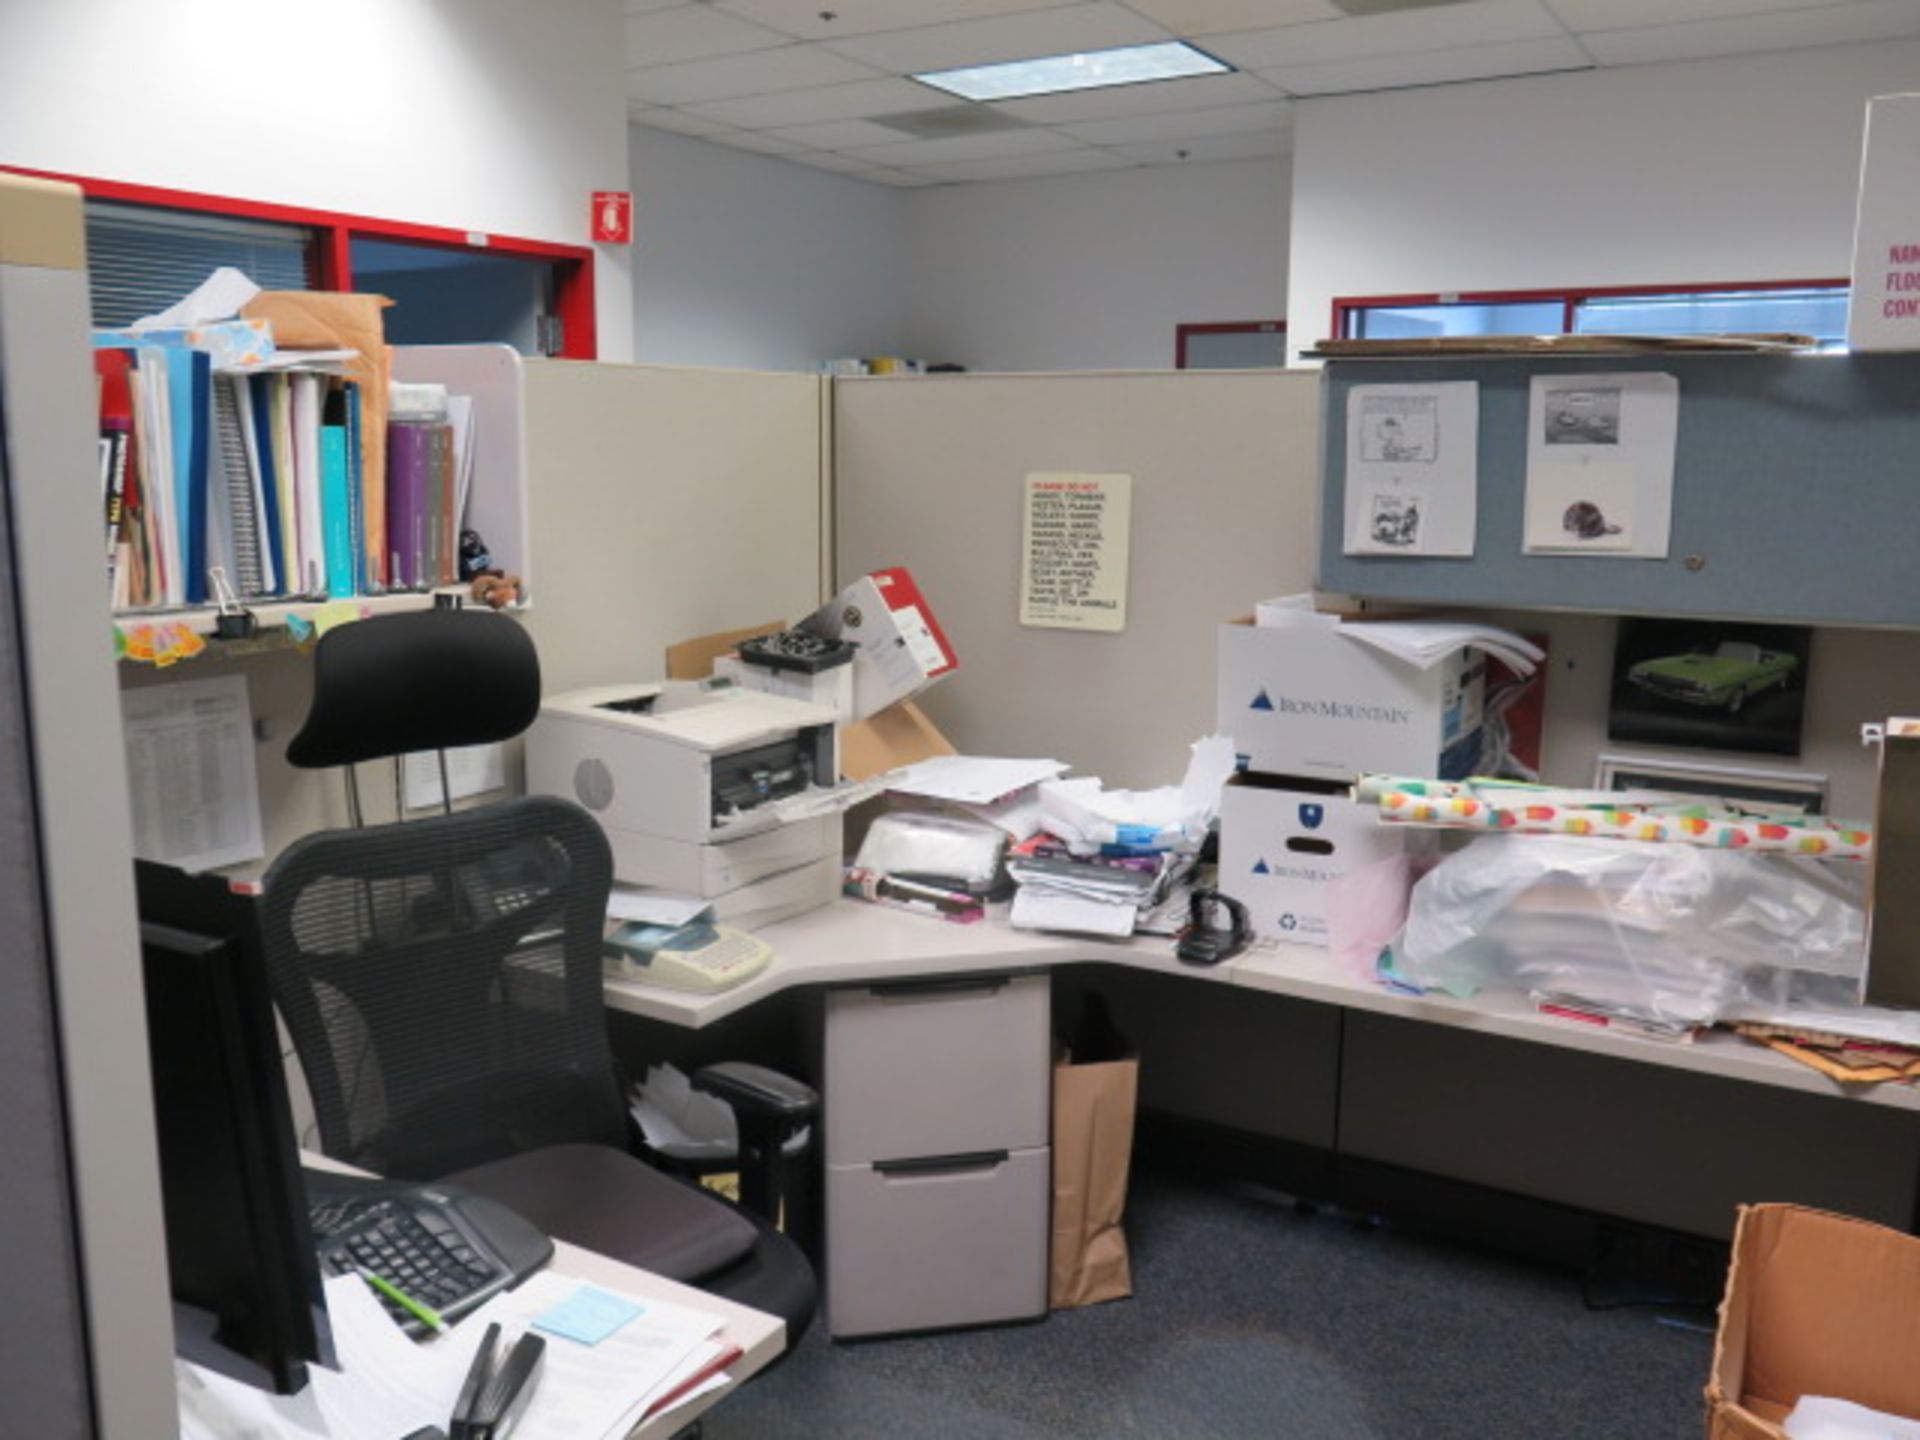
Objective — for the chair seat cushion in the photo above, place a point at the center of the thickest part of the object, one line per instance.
(607, 1200)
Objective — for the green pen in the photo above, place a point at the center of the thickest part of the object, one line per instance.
(425, 1314)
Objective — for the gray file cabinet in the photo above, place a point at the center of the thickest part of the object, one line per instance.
(938, 1169)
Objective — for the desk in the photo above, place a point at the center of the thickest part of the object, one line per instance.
(1484, 1091)
(761, 1337)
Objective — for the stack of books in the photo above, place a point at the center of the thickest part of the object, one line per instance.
(257, 469)
(1099, 894)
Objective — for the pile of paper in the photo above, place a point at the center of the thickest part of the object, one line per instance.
(660, 1356)
(1421, 643)
(1092, 896)
(1001, 792)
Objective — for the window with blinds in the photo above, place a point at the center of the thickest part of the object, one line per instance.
(142, 258)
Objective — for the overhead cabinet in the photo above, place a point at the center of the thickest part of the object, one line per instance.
(1796, 492)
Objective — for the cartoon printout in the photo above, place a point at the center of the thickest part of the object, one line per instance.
(1412, 463)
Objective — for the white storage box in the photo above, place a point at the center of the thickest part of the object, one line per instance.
(1284, 841)
(1306, 700)
(902, 648)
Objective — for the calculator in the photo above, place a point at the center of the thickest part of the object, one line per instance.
(700, 956)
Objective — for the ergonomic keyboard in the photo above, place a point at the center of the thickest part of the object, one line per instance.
(447, 1249)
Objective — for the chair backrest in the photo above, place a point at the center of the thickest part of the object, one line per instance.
(441, 980)
(426, 680)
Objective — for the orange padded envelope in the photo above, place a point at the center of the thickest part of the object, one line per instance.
(332, 320)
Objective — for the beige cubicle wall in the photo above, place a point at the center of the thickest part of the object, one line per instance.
(662, 503)
(667, 503)
(928, 473)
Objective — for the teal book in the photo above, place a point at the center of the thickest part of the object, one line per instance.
(336, 506)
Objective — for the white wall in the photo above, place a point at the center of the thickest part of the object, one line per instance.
(741, 260)
(486, 115)
(1093, 272)
(1719, 170)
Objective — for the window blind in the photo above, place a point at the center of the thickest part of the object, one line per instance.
(140, 259)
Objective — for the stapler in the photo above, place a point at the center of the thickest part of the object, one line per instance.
(492, 1399)
(1203, 942)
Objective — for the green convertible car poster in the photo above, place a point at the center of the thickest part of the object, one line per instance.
(1725, 687)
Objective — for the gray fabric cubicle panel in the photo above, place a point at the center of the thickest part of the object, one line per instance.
(1792, 485)
(928, 473)
(43, 1363)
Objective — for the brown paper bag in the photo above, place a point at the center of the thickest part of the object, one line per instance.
(1093, 1109)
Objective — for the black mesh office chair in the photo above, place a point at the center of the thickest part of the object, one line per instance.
(441, 980)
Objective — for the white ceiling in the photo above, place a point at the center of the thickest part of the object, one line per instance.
(823, 82)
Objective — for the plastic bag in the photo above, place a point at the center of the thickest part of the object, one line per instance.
(1675, 933)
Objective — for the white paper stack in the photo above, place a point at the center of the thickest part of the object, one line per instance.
(1421, 643)
(389, 1386)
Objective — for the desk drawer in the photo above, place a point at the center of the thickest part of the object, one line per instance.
(931, 1245)
(941, 1067)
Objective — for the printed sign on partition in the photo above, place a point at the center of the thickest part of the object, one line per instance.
(1074, 536)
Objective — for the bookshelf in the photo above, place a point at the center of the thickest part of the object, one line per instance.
(496, 505)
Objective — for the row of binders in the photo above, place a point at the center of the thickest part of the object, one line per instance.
(264, 477)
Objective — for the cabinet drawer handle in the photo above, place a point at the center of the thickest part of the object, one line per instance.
(940, 985)
(972, 1160)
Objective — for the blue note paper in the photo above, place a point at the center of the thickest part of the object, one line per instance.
(588, 1315)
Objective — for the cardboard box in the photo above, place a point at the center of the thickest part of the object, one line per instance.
(1284, 840)
(1883, 307)
(902, 647)
(1306, 700)
(1816, 1304)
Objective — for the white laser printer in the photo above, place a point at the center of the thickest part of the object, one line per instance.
(709, 790)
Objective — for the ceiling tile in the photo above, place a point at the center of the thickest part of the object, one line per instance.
(757, 140)
(1212, 17)
(801, 18)
(837, 134)
(1206, 148)
(1626, 14)
(967, 147)
(1435, 67)
(840, 164)
(1230, 120)
(791, 67)
(681, 123)
(1482, 22)
(1194, 93)
(1059, 31)
(1790, 30)
(1017, 167)
(899, 179)
(826, 102)
(647, 7)
(692, 32)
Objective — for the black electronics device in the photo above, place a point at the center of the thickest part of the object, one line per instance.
(244, 1277)
(446, 1248)
(1204, 942)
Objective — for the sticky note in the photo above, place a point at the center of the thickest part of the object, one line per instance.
(588, 1315)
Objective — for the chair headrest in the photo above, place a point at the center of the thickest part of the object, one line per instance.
(426, 680)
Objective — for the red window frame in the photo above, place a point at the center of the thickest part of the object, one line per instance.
(1221, 327)
(334, 231)
(1570, 298)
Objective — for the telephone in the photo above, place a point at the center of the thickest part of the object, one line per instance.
(700, 957)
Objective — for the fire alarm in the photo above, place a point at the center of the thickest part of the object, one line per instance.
(613, 217)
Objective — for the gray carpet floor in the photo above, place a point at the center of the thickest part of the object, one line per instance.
(1249, 1320)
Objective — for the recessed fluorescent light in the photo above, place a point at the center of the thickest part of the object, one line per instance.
(1052, 74)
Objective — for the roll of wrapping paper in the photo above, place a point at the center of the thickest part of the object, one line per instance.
(1688, 825)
